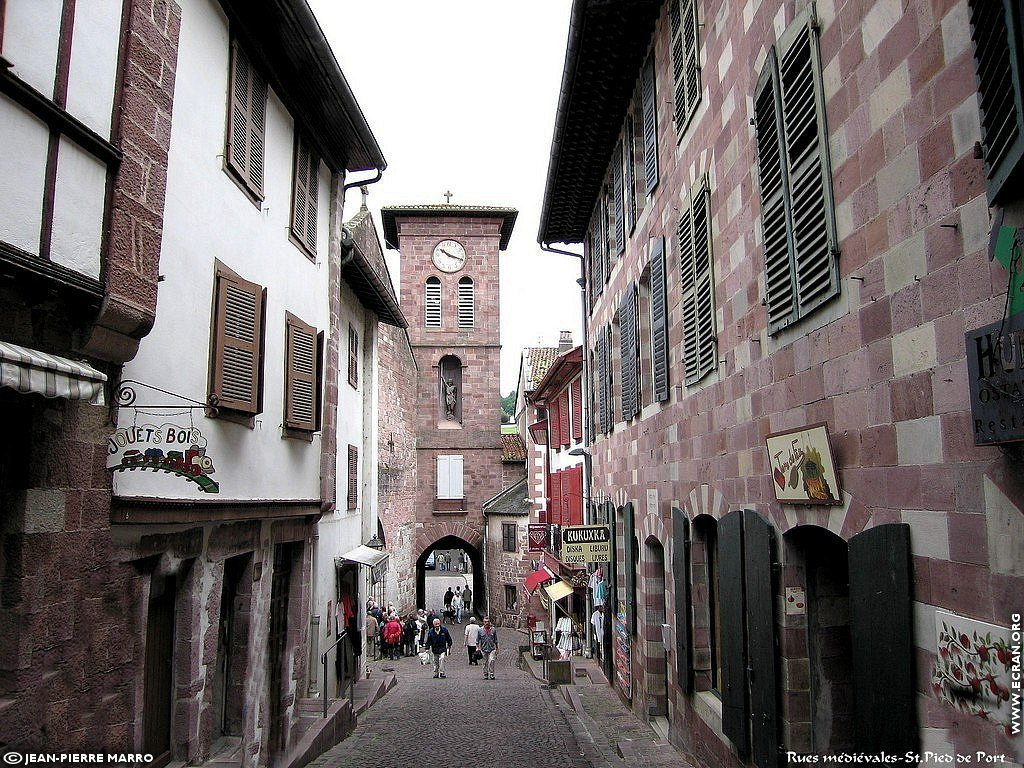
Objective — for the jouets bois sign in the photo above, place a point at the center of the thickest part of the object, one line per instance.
(171, 448)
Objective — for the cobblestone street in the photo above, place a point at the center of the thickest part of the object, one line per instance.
(463, 719)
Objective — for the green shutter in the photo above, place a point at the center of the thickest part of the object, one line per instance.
(685, 61)
(759, 596)
(629, 174)
(629, 357)
(996, 32)
(598, 245)
(733, 622)
(629, 555)
(697, 300)
(659, 321)
(650, 116)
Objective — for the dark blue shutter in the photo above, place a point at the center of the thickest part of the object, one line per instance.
(681, 578)
(881, 631)
(629, 172)
(602, 382)
(759, 596)
(617, 202)
(649, 105)
(628, 353)
(598, 246)
(659, 321)
(732, 610)
(995, 30)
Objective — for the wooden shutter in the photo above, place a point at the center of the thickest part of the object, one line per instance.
(697, 287)
(608, 379)
(353, 356)
(798, 212)
(629, 174)
(618, 207)
(304, 195)
(554, 424)
(995, 30)
(353, 477)
(432, 303)
(237, 354)
(881, 631)
(247, 123)
(650, 119)
(443, 475)
(598, 246)
(601, 382)
(455, 467)
(628, 546)
(563, 418)
(467, 303)
(629, 358)
(577, 409)
(565, 506)
(555, 499)
(759, 597)
(731, 615)
(659, 321)
(685, 62)
(681, 578)
(301, 386)
(575, 496)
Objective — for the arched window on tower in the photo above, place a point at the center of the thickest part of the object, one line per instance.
(467, 309)
(449, 390)
(432, 303)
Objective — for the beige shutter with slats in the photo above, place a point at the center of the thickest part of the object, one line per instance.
(237, 349)
(247, 122)
(300, 375)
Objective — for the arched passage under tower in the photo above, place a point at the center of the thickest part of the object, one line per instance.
(473, 576)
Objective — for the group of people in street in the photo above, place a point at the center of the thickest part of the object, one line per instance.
(455, 604)
(390, 636)
(481, 645)
(444, 562)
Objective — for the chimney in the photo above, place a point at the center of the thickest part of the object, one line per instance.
(564, 341)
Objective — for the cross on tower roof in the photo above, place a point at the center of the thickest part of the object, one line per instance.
(448, 197)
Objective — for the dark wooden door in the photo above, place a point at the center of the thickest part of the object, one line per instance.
(759, 596)
(611, 603)
(629, 564)
(158, 675)
(881, 631)
(278, 643)
(732, 613)
(681, 577)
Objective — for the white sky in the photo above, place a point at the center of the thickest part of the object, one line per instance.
(461, 96)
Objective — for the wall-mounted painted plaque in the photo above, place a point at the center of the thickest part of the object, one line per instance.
(802, 467)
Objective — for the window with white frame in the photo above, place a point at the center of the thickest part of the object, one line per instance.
(449, 477)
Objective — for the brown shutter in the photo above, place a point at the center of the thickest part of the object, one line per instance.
(353, 477)
(555, 502)
(304, 195)
(563, 418)
(237, 343)
(247, 122)
(353, 356)
(301, 386)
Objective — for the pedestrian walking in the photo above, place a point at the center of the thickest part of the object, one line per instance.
(409, 634)
(457, 606)
(448, 597)
(467, 599)
(439, 642)
(487, 642)
(393, 637)
(597, 622)
(372, 632)
(471, 630)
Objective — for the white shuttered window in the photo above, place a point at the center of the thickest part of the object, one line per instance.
(449, 477)
(432, 303)
(467, 303)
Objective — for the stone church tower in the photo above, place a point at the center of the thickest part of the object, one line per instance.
(449, 294)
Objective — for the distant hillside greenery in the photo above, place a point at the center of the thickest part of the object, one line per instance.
(508, 405)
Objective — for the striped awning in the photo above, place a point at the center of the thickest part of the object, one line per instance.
(31, 371)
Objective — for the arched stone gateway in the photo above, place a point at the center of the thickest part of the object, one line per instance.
(474, 573)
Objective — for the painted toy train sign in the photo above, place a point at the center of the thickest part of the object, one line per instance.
(165, 448)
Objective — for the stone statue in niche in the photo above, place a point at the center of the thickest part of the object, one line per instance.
(450, 399)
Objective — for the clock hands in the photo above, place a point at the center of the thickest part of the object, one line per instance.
(451, 255)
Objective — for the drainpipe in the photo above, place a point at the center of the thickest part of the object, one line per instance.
(587, 472)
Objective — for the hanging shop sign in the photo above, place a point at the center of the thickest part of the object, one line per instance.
(586, 544)
(803, 470)
(538, 535)
(169, 447)
(995, 366)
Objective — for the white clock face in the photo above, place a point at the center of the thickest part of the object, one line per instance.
(449, 256)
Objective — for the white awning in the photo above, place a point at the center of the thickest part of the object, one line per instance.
(31, 371)
(558, 590)
(364, 556)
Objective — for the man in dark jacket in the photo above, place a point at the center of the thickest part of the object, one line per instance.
(439, 640)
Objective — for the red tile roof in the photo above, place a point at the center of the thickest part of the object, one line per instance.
(513, 448)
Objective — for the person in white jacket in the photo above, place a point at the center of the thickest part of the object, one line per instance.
(471, 630)
(457, 605)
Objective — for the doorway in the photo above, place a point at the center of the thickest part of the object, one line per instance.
(158, 677)
(277, 646)
(232, 634)
(655, 617)
(463, 568)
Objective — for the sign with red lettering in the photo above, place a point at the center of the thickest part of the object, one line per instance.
(171, 448)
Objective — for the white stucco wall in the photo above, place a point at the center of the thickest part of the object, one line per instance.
(208, 218)
(22, 172)
(93, 74)
(31, 38)
(78, 203)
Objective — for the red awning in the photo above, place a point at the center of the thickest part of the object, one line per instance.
(537, 578)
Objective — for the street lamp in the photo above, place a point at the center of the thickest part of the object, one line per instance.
(375, 543)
